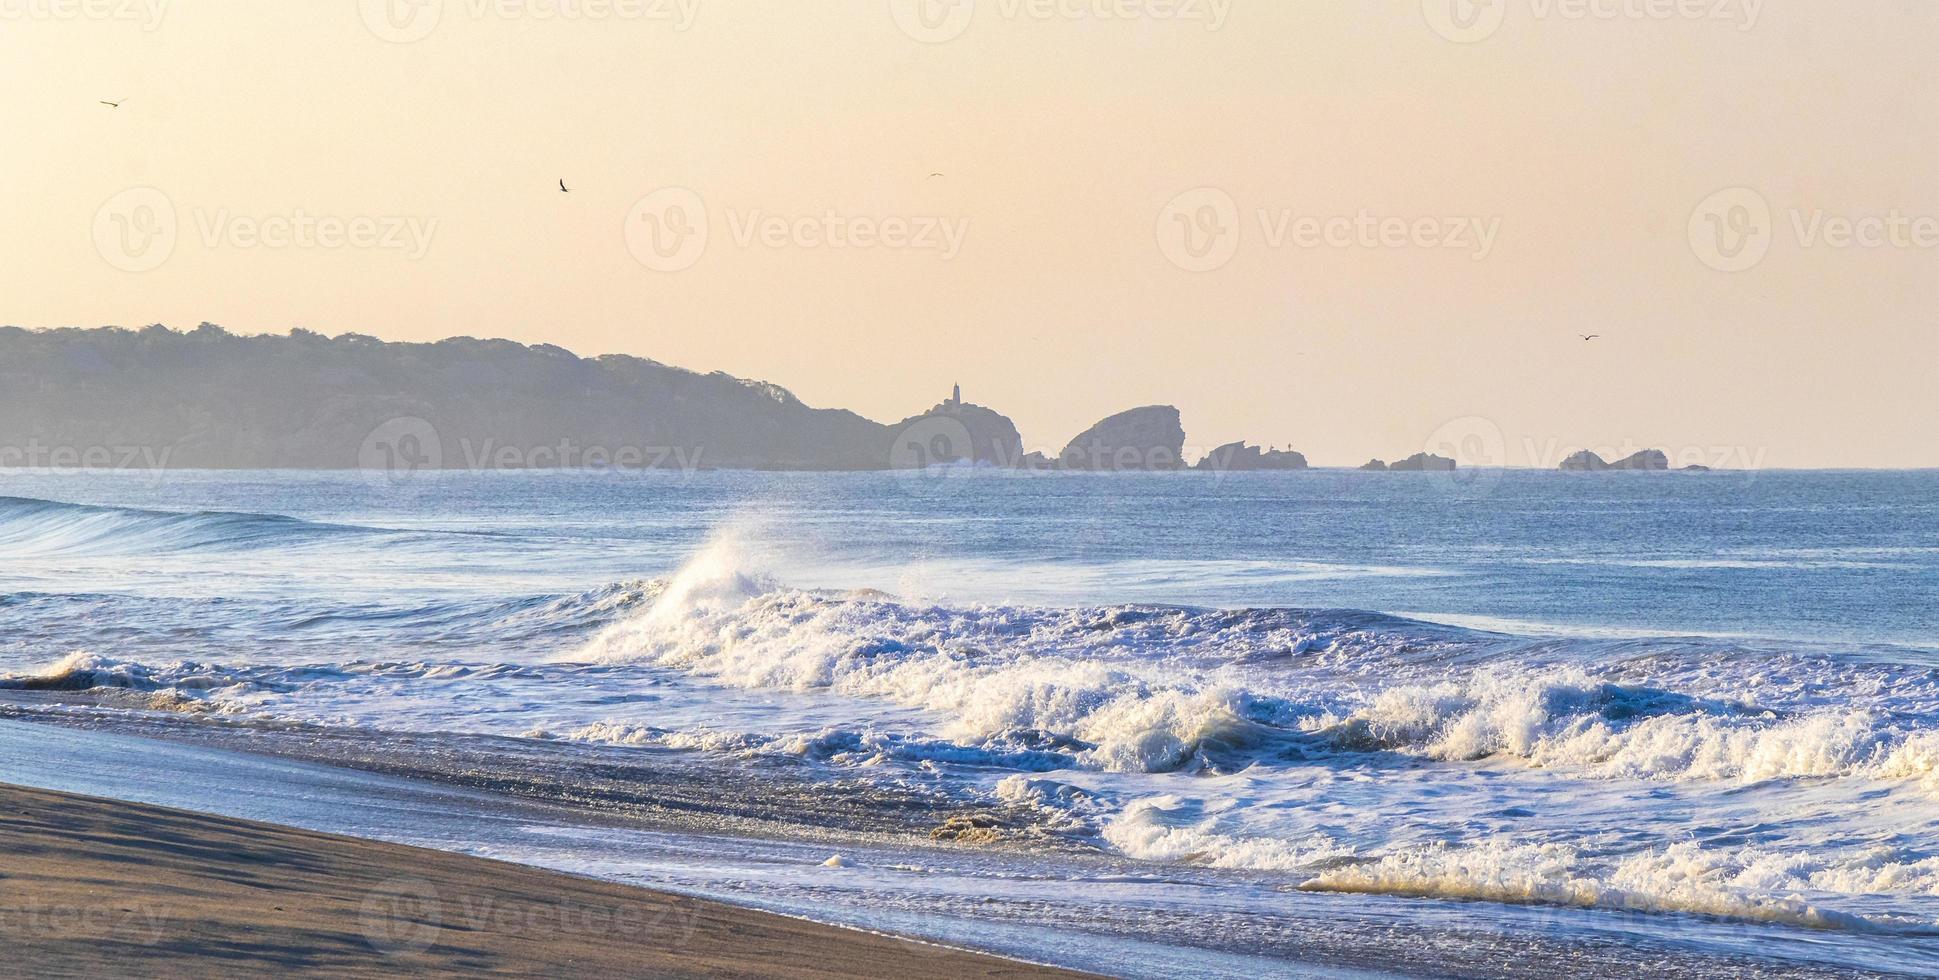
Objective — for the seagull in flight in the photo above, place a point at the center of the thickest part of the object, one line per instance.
(934, 176)
(1591, 336)
(112, 105)
(563, 189)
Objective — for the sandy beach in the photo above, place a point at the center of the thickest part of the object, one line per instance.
(100, 887)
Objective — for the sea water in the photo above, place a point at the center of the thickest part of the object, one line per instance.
(1679, 697)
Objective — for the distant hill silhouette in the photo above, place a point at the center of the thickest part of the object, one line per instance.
(305, 401)
(207, 398)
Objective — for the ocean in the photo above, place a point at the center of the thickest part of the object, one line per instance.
(1329, 721)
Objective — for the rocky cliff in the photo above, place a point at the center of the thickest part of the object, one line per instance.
(207, 398)
(1238, 457)
(1425, 462)
(1648, 459)
(1149, 438)
(955, 432)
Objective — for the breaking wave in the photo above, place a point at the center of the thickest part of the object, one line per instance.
(1230, 738)
(1568, 719)
(1158, 689)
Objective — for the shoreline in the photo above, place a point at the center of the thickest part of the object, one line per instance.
(102, 887)
(1106, 915)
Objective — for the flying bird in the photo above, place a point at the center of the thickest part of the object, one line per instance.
(1591, 336)
(563, 189)
(112, 105)
(934, 176)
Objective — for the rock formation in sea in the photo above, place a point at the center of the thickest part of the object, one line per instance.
(1149, 438)
(1239, 457)
(1648, 459)
(1587, 461)
(1374, 466)
(1425, 462)
(955, 432)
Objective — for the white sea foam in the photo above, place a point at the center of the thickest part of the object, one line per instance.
(972, 665)
(840, 746)
(1566, 718)
(1289, 717)
(1331, 749)
(1133, 689)
(1148, 828)
(85, 670)
(1750, 883)
(1681, 878)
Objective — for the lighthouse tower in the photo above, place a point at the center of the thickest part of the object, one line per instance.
(956, 397)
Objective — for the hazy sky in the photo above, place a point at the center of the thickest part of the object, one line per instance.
(1361, 228)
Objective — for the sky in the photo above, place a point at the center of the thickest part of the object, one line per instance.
(1358, 229)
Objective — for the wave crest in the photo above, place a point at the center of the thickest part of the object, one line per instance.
(1567, 719)
(45, 528)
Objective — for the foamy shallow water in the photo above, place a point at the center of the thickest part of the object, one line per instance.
(1161, 670)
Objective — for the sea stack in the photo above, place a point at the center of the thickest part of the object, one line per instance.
(1239, 457)
(1149, 438)
(1589, 462)
(1425, 463)
(1648, 459)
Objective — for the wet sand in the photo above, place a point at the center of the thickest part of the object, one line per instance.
(99, 887)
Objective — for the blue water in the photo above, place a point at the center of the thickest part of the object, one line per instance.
(1849, 558)
(1668, 694)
